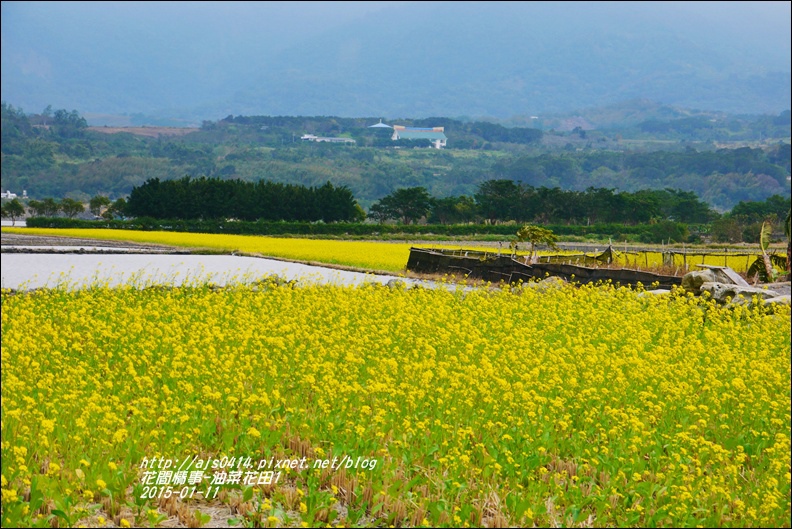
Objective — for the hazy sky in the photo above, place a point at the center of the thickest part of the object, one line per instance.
(281, 24)
(70, 54)
(294, 20)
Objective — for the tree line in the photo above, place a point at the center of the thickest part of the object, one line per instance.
(507, 200)
(100, 206)
(213, 198)
(495, 201)
(744, 222)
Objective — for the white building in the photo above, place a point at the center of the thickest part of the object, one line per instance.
(322, 139)
(434, 134)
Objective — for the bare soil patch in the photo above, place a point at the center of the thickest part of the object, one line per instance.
(151, 132)
(9, 241)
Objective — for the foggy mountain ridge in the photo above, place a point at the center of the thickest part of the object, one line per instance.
(393, 59)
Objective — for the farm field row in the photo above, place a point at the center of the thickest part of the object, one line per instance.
(390, 257)
(365, 255)
(491, 407)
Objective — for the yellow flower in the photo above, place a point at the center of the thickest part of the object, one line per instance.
(443, 377)
(9, 496)
(252, 432)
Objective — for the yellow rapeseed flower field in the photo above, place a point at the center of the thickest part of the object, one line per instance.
(494, 407)
(368, 255)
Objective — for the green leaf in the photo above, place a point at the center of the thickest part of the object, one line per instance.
(36, 497)
(764, 236)
(60, 514)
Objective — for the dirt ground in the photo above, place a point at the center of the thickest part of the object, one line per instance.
(151, 132)
(11, 240)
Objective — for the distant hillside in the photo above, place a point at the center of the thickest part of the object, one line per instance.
(59, 155)
(462, 59)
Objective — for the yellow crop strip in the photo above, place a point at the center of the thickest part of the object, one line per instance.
(522, 407)
(367, 255)
(644, 260)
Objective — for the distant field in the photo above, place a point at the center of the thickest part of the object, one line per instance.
(374, 255)
(151, 132)
(365, 255)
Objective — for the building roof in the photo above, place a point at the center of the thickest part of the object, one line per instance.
(421, 134)
(380, 125)
(420, 129)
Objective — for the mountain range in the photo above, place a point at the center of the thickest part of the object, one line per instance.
(187, 62)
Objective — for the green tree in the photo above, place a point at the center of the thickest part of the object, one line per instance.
(360, 213)
(377, 212)
(535, 235)
(47, 207)
(466, 209)
(68, 124)
(761, 211)
(452, 210)
(665, 231)
(726, 229)
(34, 207)
(497, 199)
(116, 210)
(97, 203)
(71, 208)
(13, 209)
(408, 204)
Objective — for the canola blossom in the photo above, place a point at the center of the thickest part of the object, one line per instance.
(366, 255)
(561, 406)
